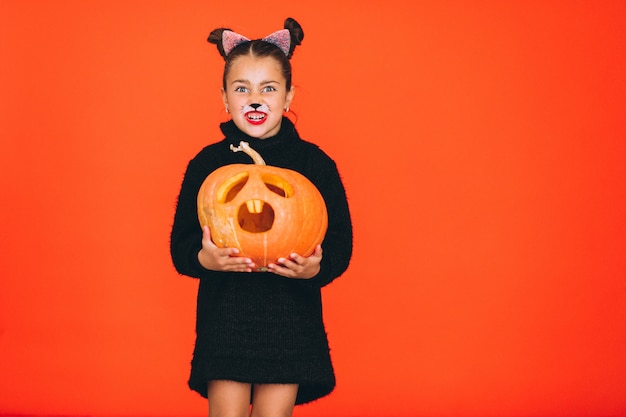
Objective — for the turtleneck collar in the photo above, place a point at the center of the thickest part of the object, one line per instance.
(285, 135)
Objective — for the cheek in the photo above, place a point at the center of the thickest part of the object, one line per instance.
(279, 103)
(232, 99)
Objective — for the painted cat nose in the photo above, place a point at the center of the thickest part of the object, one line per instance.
(255, 106)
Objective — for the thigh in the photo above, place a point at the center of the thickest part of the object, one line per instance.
(228, 399)
(273, 400)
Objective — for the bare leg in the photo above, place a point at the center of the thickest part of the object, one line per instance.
(229, 399)
(274, 400)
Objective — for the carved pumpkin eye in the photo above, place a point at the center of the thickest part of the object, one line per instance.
(231, 187)
(277, 185)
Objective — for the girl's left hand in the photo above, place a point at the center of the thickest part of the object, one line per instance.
(297, 266)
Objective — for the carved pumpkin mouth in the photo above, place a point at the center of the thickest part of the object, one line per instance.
(255, 216)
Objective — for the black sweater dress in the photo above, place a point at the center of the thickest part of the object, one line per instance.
(259, 327)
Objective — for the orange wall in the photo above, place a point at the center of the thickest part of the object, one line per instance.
(482, 144)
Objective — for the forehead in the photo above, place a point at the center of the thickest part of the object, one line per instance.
(247, 67)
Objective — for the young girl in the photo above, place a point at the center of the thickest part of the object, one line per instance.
(260, 337)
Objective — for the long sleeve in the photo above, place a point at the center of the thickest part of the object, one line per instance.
(186, 235)
(337, 244)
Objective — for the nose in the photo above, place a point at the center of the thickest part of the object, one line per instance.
(255, 105)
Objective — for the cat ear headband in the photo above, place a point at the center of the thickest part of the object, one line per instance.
(280, 38)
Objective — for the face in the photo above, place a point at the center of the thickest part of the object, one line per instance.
(256, 95)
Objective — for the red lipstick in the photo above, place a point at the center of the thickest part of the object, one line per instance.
(256, 117)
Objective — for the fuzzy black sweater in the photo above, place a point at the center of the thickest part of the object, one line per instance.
(259, 327)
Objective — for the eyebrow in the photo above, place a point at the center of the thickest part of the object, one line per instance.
(262, 82)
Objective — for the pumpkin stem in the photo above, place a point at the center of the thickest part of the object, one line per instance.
(245, 148)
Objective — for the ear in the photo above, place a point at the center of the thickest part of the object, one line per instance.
(289, 97)
(224, 98)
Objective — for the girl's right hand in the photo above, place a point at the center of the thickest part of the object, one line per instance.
(221, 259)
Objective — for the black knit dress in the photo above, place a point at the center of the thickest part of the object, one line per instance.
(260, 327)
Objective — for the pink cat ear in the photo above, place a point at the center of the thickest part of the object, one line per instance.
(280, 38)
(230, 40)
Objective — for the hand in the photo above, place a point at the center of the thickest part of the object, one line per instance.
(221, 259)
(298, 266)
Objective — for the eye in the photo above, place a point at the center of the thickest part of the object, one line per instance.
(269, 89)
(241, 89)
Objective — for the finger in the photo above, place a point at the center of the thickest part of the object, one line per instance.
(298, 259)
(206, 236)
(279, 269)
(289, 263)
(228, 253)
(235, 263)
(232, 259)
(238, 268)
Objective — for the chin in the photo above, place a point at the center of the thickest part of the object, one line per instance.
(262, 133)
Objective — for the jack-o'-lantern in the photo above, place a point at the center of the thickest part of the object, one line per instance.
(265, 211)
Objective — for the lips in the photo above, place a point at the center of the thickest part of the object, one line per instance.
(256, 117)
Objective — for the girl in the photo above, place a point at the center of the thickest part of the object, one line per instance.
(260, 337)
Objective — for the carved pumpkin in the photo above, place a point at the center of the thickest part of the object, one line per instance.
(266, 212)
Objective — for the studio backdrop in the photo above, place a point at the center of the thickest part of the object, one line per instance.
(482, 146)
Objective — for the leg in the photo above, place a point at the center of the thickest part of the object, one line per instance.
(274, 400)
(229, 399)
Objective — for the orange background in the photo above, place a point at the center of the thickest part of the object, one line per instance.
(482, 145)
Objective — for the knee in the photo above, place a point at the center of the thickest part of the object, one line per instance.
(229, 399)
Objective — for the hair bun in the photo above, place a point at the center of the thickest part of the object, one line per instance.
(215, 37)
(296, 33)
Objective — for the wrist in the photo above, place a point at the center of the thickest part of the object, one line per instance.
(202, 259)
